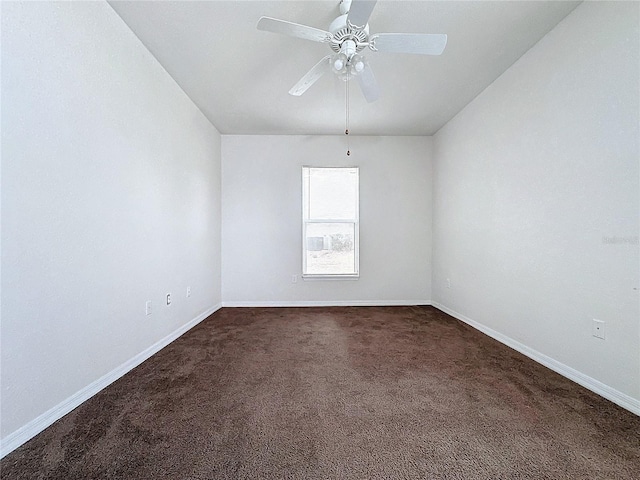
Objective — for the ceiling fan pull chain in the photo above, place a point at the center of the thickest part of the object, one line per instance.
(346, 116)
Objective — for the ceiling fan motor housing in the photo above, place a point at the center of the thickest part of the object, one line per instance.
(347, 42)
(342, 31)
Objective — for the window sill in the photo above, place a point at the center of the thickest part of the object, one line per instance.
(312, 277)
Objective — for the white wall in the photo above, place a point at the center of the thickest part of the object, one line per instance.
(262, 223)
(110, 198)
(533, 180)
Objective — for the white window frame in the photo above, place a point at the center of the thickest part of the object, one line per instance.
(306, 220)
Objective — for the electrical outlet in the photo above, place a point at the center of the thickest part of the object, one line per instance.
(168, 299)
(188, 292)
(448, 283)
(148, 307)
(598, 328)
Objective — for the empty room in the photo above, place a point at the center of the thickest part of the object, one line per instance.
(320, 239)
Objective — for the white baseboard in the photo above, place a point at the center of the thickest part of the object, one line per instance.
(38, 424)
(610, 393)
(31, 429)
(328, 303)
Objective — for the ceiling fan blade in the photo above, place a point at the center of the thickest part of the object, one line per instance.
(359, 12)
(420, 43)
(274, 25)
(368, 84)
(311, 77)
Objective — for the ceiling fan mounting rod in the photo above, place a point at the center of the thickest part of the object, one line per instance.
(345, 6)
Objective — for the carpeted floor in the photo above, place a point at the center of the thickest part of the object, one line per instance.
(323, 393)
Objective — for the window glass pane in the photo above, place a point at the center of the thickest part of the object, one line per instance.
(330, 248)
(333, 193)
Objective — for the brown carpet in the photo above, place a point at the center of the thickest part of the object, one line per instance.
(363, 393)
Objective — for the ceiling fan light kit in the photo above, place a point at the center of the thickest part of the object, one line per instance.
(348, 36)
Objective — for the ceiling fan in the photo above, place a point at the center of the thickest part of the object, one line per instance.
(348, 36)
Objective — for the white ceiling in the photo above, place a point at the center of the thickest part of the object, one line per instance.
(239, 77)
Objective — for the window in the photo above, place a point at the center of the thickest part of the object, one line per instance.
(330, 222)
